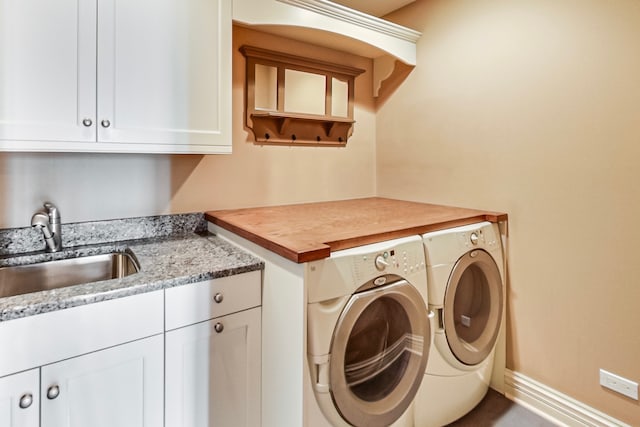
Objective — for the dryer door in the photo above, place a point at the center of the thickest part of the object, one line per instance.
(473, 307)
(379, 352)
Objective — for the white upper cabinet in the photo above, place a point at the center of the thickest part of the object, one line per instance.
(115, 76)
(164, 73)
(47, 71)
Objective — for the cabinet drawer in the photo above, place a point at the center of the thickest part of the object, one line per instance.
(50, 337)
(197, 302)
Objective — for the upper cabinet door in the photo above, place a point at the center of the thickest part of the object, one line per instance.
(147, 76)
(164, 74)
(47, 73)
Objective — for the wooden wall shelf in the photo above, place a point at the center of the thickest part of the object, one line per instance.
(286, 128)
(277, 125)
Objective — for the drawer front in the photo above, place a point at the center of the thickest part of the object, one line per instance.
(57, 335)
(197, 302)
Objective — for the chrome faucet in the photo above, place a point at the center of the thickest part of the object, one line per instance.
(48, 222)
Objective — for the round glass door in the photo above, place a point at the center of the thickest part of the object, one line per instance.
(473, 307)
(379, 353)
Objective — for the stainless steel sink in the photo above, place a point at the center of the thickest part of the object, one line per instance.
(24, 279)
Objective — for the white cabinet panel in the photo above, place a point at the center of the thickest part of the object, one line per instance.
(213, 378)
(47, 70)
(120, 386)
(164, 71)
(201, 301)
(115, 76)
(49, 337)
(19, 399)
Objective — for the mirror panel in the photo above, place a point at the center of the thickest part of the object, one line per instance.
(339, 98)
(266, 87)
(293, 100)
(304, 92)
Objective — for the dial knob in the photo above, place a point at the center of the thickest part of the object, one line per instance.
(381, 263)
(474, 238)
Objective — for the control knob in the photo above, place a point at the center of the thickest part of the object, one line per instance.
(381, 263)
(474, 238)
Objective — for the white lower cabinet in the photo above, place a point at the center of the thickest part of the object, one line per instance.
(213, 372)
(213, 353)
(120, 386)
(110, 364)
(20, 400)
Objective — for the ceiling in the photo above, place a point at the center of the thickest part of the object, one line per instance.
(374, 7)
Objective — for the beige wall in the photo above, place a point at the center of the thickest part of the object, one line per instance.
(105, 186)
(530, 107)
(266, 175)
(533, 107)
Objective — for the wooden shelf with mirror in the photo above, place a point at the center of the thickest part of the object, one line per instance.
(292, 100)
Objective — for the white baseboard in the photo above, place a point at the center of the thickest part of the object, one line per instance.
(553, 405)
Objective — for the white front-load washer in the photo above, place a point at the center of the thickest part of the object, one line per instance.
(368, 334)
(466, 293)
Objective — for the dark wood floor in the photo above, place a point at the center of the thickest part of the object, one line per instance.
(497, 410)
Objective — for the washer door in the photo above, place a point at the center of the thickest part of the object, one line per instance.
(473, 307)
(379, 352)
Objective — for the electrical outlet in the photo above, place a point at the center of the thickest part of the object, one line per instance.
(619, 384)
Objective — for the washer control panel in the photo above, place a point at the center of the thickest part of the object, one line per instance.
(347, 270)
(402, 259)
(482, 237)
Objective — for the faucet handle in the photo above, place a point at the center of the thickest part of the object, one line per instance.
(40, 220)
(54, 213)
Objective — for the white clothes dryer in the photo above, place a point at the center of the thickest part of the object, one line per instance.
(466, 292)
(368, 334)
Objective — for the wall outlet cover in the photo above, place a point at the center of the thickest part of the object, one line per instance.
(619, 384)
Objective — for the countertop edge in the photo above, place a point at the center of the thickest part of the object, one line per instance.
(299, 256)
(237, 260)
(412, 231)
(321, 250)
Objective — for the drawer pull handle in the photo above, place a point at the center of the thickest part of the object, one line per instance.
(219, 327)
(53, 392)
(26, 400)
(218, 297)
(87, 122)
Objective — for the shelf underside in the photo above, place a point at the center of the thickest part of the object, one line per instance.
(280, 128)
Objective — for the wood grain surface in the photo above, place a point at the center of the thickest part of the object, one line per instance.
(311, 231)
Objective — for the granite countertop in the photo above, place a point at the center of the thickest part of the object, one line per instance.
(177, 257)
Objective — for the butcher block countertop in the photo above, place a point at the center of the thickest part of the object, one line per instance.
(311, 231)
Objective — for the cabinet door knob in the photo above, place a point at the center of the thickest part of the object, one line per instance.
(26, 400)
(105, 123)
(87, 122)
(218, 297)
(53, 392)
(219, 327)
